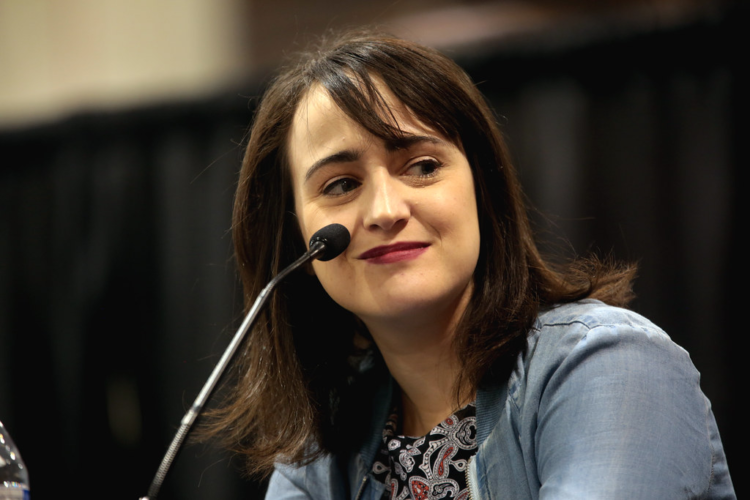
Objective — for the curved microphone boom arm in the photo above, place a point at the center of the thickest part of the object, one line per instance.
(325, 244)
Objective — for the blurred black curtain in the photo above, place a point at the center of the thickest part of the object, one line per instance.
(118, 293)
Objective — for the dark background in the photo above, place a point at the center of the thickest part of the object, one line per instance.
(118, 292)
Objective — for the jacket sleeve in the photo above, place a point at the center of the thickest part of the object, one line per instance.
(621, 415)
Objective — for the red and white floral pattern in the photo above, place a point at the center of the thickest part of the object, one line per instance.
(431, 467)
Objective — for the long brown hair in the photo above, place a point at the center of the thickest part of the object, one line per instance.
(295, 382)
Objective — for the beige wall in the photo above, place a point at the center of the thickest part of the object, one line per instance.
(61, 56)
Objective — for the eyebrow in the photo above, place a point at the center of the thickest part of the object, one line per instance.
(346, 156)
(391, 145)
(407, 141)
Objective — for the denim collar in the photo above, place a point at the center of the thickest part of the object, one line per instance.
(489, 409)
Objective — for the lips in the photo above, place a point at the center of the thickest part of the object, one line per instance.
(395, 252)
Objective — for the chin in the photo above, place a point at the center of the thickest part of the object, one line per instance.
(409, 304)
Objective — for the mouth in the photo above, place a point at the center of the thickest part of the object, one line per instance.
(396, 252)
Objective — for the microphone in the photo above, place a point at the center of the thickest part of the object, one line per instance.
(335, 239)
(326, 244)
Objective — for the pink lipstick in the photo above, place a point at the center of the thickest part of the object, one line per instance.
(397, 252)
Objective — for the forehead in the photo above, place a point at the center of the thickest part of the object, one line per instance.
(319, 124)
(315, 113)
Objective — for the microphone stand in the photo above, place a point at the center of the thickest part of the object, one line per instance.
(316, 248)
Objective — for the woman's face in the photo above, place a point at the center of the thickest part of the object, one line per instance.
(409, 206)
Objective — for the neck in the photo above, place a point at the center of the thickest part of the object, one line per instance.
(420, 355)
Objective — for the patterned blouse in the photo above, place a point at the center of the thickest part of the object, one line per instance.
(429, 467)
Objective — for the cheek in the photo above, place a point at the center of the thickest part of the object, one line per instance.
(462, 213)
(456, 210)
(308, 214)
(301, 216)
(309, 220)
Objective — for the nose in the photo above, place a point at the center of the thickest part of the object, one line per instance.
(386, 203)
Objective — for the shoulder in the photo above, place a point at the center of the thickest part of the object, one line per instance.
(590, 346)
(606, 389)
(574, 332)
(578, 319)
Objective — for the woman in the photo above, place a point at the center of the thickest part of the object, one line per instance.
(440, 356)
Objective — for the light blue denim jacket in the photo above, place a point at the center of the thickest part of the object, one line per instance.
(601, 404)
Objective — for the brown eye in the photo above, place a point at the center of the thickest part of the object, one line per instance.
(424, 168)
(340, 186)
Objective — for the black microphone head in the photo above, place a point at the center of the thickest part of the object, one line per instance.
(335, 237)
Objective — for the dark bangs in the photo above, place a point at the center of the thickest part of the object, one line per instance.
(429, 84)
